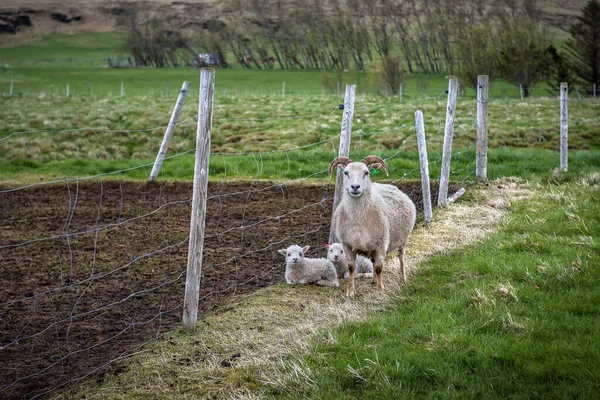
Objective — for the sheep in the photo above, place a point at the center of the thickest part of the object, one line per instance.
(372, 219)
(335, 254)
(301, 270)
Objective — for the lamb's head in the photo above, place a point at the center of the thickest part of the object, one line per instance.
(335, 252)
(357, 175)
(294, 254)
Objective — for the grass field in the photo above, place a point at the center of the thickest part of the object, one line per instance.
(265, 136)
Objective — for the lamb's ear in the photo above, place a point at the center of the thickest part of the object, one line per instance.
(305, 249)
(283, 252)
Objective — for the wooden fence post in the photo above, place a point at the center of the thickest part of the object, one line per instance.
(283, 90)
(425, 188)
(344, 150)
(122, 89)
(68, 94)
(169, 132)
(482, 128)
(448, 135)
(521, 91)
(11, 88)
(593, 90)
(400, 90)
(194, 266)
(564, 126)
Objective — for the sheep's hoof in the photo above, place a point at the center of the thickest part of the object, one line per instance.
(350, 293)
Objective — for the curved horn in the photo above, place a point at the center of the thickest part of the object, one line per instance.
(368, 160)
(337, 161)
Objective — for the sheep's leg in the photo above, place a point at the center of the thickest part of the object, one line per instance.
(378, 269)
(350, 291)
(351, 256)
(402, 266)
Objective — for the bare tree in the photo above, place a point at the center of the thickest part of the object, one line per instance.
(583, 49)
(523, 59)
(477, 54)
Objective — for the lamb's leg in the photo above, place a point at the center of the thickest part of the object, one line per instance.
(402, 266)
(351, 256)
(378, 269)
(325, 282)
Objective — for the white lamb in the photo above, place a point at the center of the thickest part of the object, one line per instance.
(335, 254)
(301, 270)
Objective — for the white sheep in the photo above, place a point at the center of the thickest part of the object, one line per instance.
(372, 218)
(300, 269)
(363, 268)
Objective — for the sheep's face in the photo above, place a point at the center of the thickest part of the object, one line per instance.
(294, 254)
(336, 252)
(357, 179)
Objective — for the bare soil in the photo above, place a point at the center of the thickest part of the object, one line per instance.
(108, 275)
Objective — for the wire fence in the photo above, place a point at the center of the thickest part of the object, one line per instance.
(413, 90)
(94, 265)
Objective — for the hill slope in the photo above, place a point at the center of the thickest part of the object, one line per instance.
(23, 21)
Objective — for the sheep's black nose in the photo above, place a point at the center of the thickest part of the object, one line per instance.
(295, 259)
(335, 257)
(355, 187)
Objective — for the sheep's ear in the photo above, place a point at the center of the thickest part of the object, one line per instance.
(305, 248)
(283, 252)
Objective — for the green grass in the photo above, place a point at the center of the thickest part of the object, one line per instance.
(66, 48)
(299, 164)
(258, 135)
(515, 316)
(79, 60)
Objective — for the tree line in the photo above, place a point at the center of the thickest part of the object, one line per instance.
(459, 37)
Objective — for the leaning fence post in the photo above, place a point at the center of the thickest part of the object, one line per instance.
(194, 266)
(425, 189)
(344, 150)
(448, 135)
(169, 132)
(564, 126)
(482, 128)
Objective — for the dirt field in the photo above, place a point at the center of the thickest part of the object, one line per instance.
(109, 274)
